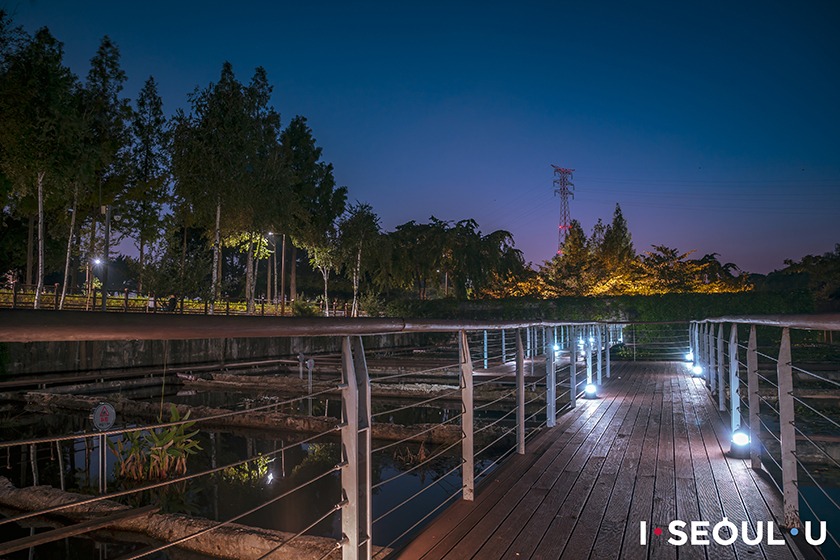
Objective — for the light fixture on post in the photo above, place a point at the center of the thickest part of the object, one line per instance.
(739, 445)
(697, 371)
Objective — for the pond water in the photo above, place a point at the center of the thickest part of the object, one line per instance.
(230, 492)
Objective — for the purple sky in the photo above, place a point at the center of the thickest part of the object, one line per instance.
(716, 125)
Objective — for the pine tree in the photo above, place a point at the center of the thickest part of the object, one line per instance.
(148, 173)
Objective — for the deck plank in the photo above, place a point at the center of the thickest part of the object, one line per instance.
(651, 449)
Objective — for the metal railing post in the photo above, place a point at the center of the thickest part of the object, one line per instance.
(607, 350)
(527, 342)
(572, 367)
(721, 395)
(752, 389)
(734, 380)
(485, 349)
(550, 383)
(695, 348)
(356, 448)
(711, 380)
(520, 394)
(467, 448)
(788, 433)
(504, 348)
(587, 347)
(600, 349)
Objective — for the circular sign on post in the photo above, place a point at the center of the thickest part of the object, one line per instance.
(104, 416)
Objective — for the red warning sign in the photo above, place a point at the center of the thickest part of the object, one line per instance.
(104, 416)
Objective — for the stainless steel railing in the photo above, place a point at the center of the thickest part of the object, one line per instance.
(505, 355)
(779, 404)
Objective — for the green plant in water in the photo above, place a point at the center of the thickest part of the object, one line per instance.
(156, 454)
(254, 471)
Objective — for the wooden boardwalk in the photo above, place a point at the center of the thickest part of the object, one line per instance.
(651, 449)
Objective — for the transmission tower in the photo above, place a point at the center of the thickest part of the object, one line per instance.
(565, 188)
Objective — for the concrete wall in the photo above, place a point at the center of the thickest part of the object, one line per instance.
(56, 357)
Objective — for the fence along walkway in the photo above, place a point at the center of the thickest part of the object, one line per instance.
(651, 449)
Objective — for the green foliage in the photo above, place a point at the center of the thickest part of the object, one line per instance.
(820, 274)
(156, 454)
(253, 472)
(661, 307)
(302, 308)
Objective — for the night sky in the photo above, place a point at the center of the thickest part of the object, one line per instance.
(715, 125)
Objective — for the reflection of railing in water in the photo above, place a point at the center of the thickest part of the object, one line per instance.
(774, 428)
(527, 348)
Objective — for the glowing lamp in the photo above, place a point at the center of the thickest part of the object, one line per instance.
(689, 357)
(556, 347)
(697, 371)
(739, 445)
(590, 391)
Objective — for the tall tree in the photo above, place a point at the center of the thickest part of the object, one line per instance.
(617, 245)
(358, 234)
(225, 155)
(36, 101)
(148, 172)
(107, 114)
(569, 272)
(419, 250)
(320, 202)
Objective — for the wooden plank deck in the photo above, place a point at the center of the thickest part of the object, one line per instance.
(651, 449)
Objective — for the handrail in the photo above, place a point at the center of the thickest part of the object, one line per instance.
(524, 344)
(826, 321)
(25, 325)
(711, 354)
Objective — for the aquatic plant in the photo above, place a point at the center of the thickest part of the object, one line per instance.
(158, 453)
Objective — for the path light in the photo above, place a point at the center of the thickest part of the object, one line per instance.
(689, 357)
(556, 347)
(590, 391)
(270, 477)
(697, 371)
(740, 445)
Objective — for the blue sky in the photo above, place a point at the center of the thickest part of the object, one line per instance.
(715, 125)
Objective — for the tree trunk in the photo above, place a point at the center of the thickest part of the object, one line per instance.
(249, 276)
(141, 262)
(282, 277)
(30, 251)
(293, 279)
(268, 292)
(354, 310)
(69, 247)
(40, 181)
(214, 288)
(183, 262)
(325, 272)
